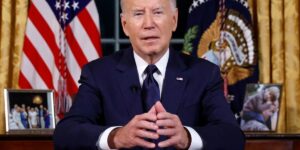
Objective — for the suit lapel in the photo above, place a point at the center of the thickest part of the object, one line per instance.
(129, 84)
(173, 87)
(174, 83)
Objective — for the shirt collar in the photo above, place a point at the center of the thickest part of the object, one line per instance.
(142, 64)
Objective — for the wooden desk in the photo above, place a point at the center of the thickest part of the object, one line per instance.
(26, 142)
(254, 142)
(273, 142)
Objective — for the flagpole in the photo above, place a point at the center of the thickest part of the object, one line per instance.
(62, 93)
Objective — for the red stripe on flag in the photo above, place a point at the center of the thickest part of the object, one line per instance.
(77, 51)
(23, 82)
(91, 28)
(38, 62)
(72, 87)
(47, 34)
(50, 37)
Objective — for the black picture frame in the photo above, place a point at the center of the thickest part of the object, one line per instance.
(261, 108)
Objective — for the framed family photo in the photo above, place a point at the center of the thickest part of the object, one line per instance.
(29, 111)
(261, 107)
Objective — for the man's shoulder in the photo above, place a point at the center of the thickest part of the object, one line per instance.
(107, 61)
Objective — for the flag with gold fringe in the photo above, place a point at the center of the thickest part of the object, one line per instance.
(221, 31)
(61, 36)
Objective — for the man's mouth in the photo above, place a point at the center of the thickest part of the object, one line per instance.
(150, 38)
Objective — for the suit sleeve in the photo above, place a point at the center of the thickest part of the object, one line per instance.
(220, 129)
(80, 128)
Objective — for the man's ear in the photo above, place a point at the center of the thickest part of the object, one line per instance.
(175, 19)
(124, 23)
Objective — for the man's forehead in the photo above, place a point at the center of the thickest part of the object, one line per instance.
(142, 8)
(146, 3)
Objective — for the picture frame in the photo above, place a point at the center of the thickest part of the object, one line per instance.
(29, 111)
(261, 108)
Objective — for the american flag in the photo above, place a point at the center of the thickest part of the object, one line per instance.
(61, 36)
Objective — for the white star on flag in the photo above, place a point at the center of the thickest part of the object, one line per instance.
(75, 5)
(57, 5)
(64, 17)
(66, 5)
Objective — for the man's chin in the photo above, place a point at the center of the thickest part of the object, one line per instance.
(153, 52)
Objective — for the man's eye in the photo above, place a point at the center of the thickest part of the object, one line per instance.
(158, 12)
(138, 14)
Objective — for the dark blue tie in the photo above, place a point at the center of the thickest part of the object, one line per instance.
(150, 89)
(150, 92)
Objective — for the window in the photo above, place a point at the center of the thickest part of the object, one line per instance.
(112, 36)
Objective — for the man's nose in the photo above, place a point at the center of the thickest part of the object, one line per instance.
(148, 22)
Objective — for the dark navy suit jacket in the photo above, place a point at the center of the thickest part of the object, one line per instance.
(110, 95)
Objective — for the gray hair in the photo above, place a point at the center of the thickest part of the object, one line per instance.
(173, 3)
(274, 91)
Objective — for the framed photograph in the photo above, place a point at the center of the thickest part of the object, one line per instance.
(29, 111)
(261, 107)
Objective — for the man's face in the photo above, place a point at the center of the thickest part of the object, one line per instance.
(149, 25)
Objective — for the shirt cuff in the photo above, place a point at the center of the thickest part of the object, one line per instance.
(102, 143)
(196, 141)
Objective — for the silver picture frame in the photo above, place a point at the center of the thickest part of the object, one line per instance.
(29, 111)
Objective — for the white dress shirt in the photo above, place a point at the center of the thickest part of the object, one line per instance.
(196, 141)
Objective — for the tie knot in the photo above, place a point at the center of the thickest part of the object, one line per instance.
(150, 69)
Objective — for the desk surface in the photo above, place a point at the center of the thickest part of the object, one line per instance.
(278, 136)
(26, 142)
(255, 141)
(16, 137)
(48, 136)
